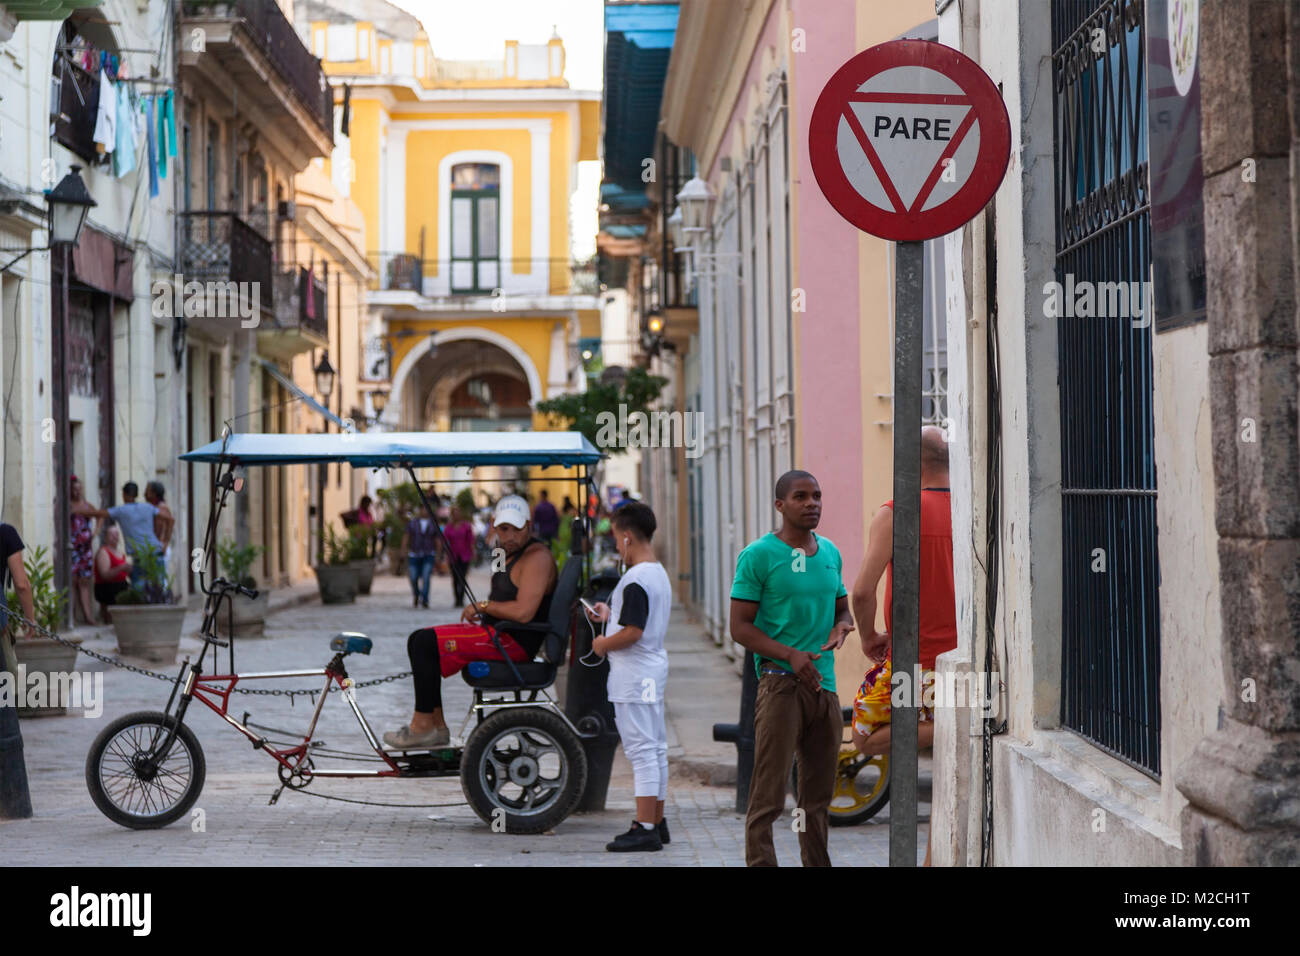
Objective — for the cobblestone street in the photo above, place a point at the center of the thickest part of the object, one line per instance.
(240, 828)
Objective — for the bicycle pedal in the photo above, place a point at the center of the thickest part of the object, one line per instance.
(275, 796)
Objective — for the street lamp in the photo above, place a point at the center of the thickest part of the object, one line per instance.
(675, 228)
(696, 203)
(70, 202)
(324, 376)
(378, 401)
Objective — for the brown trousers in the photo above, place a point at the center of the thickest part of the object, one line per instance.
(792, 720)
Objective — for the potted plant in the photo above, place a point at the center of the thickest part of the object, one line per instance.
(249, 615)
(360, 548)
(36, 652)
(395, 542)
(337, 578)
(146, 618)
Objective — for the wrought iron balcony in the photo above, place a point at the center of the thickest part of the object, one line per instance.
(399, 272)
(266, 26)
(74, 124)
(221, 247)
(300, 320)
(404, 272)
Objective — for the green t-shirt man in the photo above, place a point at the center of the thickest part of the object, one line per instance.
(796, 596)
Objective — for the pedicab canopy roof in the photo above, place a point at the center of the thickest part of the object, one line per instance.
(402, 449)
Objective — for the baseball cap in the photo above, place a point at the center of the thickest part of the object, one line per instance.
(512, 510)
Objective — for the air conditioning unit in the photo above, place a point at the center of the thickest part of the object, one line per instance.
(288, 209)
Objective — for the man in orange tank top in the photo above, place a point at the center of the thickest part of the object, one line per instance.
(938, 631)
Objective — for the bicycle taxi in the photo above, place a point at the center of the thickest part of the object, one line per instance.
(522, 765)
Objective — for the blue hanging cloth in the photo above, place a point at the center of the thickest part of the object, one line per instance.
(162, 137)
(169, 109)
(124, 154)
(153, 159)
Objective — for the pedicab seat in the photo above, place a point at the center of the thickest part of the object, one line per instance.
(538, 674)
(351, 642)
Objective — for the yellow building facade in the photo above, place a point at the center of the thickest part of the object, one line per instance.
(463, 172)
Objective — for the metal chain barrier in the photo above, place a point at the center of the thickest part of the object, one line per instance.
(277, 692)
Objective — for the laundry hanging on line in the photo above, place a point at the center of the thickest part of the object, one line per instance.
(105, 135)
(147, 104)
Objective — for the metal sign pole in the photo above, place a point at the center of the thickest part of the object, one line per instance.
(908, 297)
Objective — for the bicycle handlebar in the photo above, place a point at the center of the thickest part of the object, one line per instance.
(221, 584)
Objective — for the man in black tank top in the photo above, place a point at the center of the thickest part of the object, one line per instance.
(521, 590)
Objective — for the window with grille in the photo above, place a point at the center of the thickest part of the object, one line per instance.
(1110, 670)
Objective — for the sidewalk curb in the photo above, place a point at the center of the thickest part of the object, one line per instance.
(706, 770)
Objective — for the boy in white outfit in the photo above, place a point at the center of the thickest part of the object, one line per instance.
(638, 671)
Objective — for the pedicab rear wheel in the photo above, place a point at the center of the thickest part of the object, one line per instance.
(523, 770)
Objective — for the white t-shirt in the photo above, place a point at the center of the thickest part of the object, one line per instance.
(643, 598)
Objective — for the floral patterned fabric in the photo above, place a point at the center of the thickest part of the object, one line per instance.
(83, 536)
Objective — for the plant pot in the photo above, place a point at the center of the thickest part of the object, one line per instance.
(44, 656)
(149, 631)
(250, 616)
(365, 574)
(338, 583)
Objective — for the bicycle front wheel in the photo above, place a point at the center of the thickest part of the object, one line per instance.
(135, 785)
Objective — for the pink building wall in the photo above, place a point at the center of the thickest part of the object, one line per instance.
(829, 422)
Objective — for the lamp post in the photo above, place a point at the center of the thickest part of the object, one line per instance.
(378, 401)
(325, 388)
(695, 202)
(70, 203)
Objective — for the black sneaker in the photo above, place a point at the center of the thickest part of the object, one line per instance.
(636, 838)
(663, 832)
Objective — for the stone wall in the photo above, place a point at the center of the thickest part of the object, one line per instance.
(1243, 781)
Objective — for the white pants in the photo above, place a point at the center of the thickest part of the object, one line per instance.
(645, 743)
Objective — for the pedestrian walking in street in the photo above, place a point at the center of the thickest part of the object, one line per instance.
(638, 613)
(460, 542)
(112, 569)
(520, 592)
(938, 619)
(422, 547)
(86, 521)
(364, 515)
(138, 524)
(790, 608)
(545, 518)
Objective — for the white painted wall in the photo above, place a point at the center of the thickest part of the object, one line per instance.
(1058, 798)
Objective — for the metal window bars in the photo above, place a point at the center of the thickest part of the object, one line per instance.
(1110, 619)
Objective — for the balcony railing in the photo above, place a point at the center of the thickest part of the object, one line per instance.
(78, 92)
(313, 303)
(295, 309)
(404, 272)
(398, 272)
(276, 37)
(219, 246)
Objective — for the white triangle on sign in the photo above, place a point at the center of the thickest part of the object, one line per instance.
(908, 138)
